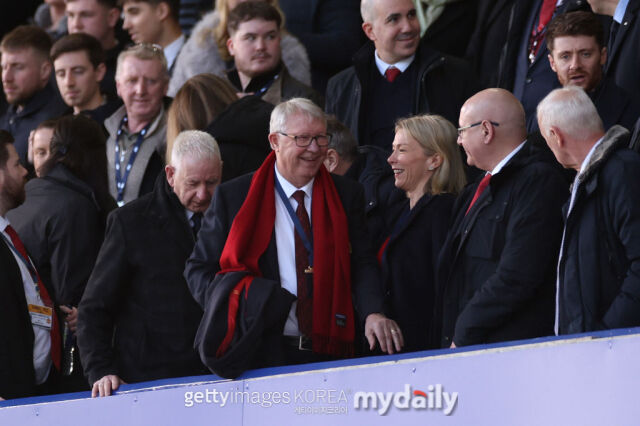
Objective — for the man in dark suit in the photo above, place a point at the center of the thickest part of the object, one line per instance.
(577, 55)
(27, 318)
(496, 273)
(524, 67)
(623, 62)
(259, 225)
(137, 319)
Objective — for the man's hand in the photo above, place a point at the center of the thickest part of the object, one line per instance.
(71, 317)
(385, 330)
(106, 385)
(453, 345)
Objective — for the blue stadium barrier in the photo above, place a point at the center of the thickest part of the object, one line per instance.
(584, 379)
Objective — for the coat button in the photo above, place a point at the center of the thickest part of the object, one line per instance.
(529, 80)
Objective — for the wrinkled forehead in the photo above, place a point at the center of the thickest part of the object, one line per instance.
(133, 66)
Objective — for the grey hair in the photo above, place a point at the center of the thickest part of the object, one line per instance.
(366, 10)
(195, 144)
(571, 110)
(342, 139)
(284, 110)
(144, 52)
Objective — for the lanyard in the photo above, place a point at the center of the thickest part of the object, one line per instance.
(296, 222)
(264, 88)
(121, 181)
(27, 263)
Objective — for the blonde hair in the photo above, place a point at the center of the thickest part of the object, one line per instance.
(436, 135)
(220, 33)
(197, 103)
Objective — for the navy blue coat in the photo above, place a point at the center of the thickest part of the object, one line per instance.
(600, 265)
(497, 268)
(408, 267)
(623, 60)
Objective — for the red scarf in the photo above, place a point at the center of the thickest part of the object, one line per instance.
(249, 237)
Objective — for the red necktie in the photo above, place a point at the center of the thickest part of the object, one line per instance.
(391, 73)
(56, 350)
(304, 308)
(481, 187)
(537, 34)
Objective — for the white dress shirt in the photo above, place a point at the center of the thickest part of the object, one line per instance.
(286, 246)
(42, 336)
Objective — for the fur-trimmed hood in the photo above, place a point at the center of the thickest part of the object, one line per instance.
(200, 55)
(615, 138)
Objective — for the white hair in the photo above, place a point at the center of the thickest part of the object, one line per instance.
(195, 144)
(283, 111)
(571, 110)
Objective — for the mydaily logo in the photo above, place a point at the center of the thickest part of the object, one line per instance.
(435, 398)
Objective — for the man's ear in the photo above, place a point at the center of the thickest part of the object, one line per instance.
(273, 141)
(603, 55)
(488, 132)
(112, 17)
(552, 63)
(45, 72)
(101, 69)
(163, 10)
(368, 30)
(170, 172)
(557, 137)
(332, 160)
(230, 47)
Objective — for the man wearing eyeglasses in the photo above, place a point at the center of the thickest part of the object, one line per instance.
(497, 267)
(284, 254)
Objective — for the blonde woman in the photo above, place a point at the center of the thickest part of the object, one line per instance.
(427, 165)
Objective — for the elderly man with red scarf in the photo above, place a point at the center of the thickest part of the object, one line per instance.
(283, 266)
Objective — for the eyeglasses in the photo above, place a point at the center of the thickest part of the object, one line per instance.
(304, 141)
(462, 129)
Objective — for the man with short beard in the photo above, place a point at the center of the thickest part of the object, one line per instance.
(27, 318)
(31, 96)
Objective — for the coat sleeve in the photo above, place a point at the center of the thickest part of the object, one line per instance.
(525, 260)
(624, 204)
(100, 303)
(74, 243)
(204, 262)
(367, 289)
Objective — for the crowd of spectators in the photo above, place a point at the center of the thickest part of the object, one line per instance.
(192, 186)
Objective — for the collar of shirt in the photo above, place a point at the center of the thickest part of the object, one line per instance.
(506, 159)
(131, 138)
(401, 65)
(621, 9)
(172, 50)
(589, 155)
(3, 223)
(289, 188)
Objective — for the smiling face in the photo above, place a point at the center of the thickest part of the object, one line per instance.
(141, 84)
(410, 164)
(578, 61)
(78, 80)
(299, 165)
(255, 47)
(394, 29)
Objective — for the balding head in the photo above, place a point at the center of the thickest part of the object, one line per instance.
(497, 123)
(570, 124)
